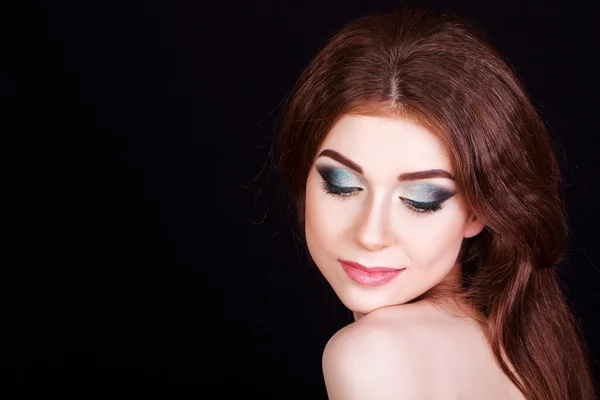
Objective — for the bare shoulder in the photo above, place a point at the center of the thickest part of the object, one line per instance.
(413, 351)
(382, 356)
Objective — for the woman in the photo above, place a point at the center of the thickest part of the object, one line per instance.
(426, 186)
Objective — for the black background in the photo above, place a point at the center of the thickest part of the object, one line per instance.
(144, 256)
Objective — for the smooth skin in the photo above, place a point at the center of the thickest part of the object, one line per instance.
(364, 203)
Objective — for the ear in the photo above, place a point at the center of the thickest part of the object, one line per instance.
(473, 227)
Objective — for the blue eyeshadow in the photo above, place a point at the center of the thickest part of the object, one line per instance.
(426, 192)
(339, 177)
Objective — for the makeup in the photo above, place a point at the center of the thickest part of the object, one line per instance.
(419, 197)
(374, 276)
(339, 181)
(423, 197)
(425, 192)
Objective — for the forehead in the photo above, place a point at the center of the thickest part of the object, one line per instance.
(381, 143)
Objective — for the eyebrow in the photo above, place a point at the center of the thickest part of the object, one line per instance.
(408, 176)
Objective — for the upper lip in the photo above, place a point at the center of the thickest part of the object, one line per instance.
(369, 269)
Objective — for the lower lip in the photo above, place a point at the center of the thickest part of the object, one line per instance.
(365, 278)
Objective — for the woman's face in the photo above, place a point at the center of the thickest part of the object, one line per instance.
(381, 194)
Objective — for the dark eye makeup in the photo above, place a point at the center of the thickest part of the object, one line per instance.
(337, 190)
(423, 207)
(338, 182)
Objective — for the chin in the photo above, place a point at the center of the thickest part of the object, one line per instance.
(360, 302)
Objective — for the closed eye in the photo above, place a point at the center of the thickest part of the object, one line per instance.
(338, 181)
(422, 207)
(339, 190)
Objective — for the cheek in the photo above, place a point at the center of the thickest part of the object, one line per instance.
(317, 223)
(436, 240)
(326, 219)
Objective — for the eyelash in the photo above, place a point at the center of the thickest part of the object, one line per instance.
(338, 191)
(415, 206)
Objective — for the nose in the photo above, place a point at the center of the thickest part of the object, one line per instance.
(373, 229)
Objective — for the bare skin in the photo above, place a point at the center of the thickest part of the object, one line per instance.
(382, 193)
(414, 351)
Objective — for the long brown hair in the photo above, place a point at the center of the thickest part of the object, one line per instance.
(442, 72)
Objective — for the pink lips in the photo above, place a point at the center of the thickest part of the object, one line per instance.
(369, 276)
